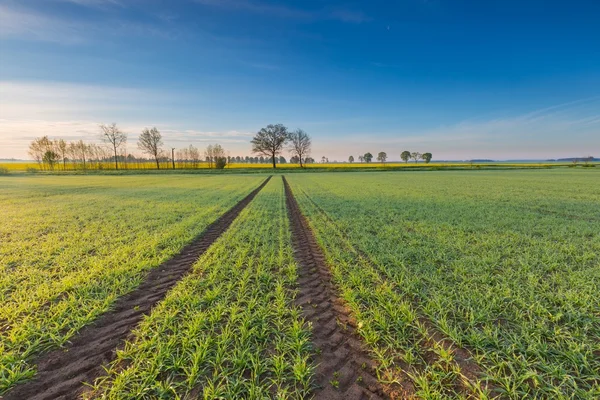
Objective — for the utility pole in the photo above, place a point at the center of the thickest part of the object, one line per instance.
(173, 156)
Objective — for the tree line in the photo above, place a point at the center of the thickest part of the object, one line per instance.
(405, 156)
(269, 143)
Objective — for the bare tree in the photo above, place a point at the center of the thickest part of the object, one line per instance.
(150, 142)
(194, 156)
(270, 140)
(113, 135)
(415, 156)
(208, 155)
(38, 148)
(81, 150)
(61, 148)
(300, 144)
(361, 158)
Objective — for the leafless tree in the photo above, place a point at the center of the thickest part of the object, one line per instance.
(114, 136)
(194, 156)
(269, 141)
(38, 148)
(150, 142)
(61, 148)
(300, 145)
(79, 151)
(415, 156)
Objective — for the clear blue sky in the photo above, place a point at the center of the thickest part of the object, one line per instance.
(461, 79)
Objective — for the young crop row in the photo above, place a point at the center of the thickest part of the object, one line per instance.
(70, 246)
(229, 329)
(468, 285)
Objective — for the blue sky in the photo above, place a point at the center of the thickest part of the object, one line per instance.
(461, 79)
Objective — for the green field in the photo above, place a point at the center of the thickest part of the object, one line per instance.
(506, 265)
(462, 284)
(70, 246)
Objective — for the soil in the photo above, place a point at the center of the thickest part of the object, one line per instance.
(344, 369)
(62, 374)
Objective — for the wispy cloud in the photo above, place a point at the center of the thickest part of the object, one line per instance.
(264, 8)
(17, 22)
(257, 7)
(562, 130)
(74, 112)
(95, 3)
(22, 23)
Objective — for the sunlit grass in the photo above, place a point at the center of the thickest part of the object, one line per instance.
(70, 246)
(505, 264)
(230, 329)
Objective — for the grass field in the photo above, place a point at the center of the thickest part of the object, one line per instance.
(459, 284)
(70, 246)
(506, 265)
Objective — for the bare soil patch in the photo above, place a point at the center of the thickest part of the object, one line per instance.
(61, 374)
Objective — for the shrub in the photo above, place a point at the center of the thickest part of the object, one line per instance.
(32, 170)
(3, 171)
(221, 163)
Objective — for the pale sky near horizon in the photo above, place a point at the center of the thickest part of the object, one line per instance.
(459, 79)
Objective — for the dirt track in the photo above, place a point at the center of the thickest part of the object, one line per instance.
(344, 369)
(61, 373)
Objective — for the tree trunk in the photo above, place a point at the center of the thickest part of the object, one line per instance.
(273, 159)
(157, 164)
(116, 165)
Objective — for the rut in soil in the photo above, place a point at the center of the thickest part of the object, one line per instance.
(62, 373)
(344, 369)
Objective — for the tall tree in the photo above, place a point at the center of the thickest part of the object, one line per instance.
(194, 156)
(79, 150)
(415, 156)
(38, 148)
(51, 157)
(270, 140)
(426, 157)
(300, 144)
(114, 136)
(61, 148)
(405, 156)
(219, 156)
(368, 157)
(351, 159)
(208, 155)
(382, 156)
(150, 142)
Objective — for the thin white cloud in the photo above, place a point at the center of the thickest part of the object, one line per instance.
(564, 130)
(264, 8)
(29, 24)
(74, 111)
(21, 23)
(95, 3)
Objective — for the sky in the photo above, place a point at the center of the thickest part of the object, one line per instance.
(461, 79)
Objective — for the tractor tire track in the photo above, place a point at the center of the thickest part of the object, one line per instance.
(471, 371)
(62, 373)
(344, 370)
